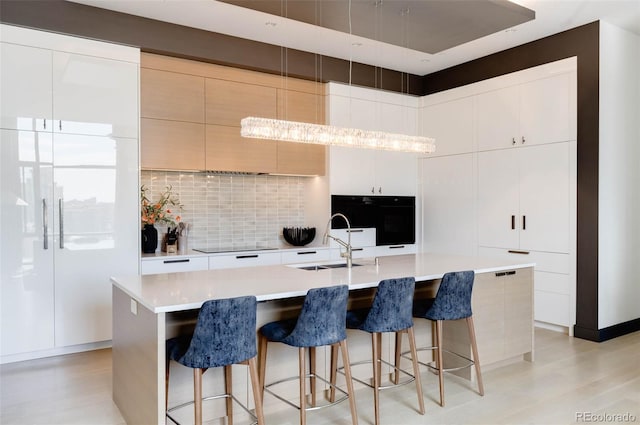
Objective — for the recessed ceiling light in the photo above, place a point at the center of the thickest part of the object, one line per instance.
(270, 24)
(511, 30)
(425, 60)
(356, 44)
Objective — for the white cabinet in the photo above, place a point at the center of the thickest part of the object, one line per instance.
(451, 124)
(173, 264)
(524, 198)
(244, 259)
(26, 88)
(536, 112)
(306, 255)
(69, 201)
(355, 171)
(448, 204)
(26, 246)
(95, 96)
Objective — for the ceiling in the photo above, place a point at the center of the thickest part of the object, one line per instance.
(551, 17)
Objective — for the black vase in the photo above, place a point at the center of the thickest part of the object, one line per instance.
(149, 239)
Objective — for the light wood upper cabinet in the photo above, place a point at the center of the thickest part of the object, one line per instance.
(191, 114)
(227, 151)
(227, 102)
(301, 158)
(171, 96)
(172, 145)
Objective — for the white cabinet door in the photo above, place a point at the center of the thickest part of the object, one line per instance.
(448, 204)
(26, 245)
(173, 264)
(451, 124)
(25, 89)
(524, 198)
(95, 96)
(498, 118)
(95, 235)
(396, 173)
(543, 120)
(352, 171)
(544, 198)
(498, 198)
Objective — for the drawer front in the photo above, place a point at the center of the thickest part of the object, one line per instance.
(545, 261)
(552, 308)
(552, 282)
(244, 260)
(306, 255)
(359, 237)
(385, 250)
(173, 265)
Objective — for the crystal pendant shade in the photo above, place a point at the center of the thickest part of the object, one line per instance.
(301, 132)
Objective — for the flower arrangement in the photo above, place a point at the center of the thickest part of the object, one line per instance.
(160, 211)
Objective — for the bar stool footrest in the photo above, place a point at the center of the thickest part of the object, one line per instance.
(311, 408)
(213, 397)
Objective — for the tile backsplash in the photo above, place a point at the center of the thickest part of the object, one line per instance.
(232, 210)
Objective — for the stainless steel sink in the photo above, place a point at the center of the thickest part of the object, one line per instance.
(325, 266)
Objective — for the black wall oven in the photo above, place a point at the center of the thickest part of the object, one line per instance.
(393, 217)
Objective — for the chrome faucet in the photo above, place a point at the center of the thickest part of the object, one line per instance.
(346, 245)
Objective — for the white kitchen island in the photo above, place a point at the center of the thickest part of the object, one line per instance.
(149, 309)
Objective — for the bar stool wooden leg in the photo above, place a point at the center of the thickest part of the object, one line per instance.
(255, 385)
(312, 373)
(439, 363)
(347, 375)
(474, 348)
(377, 369)
(416, 368)
(333, 372)
(303, 391)
(398, 347)
(262, 362)
(197, 396)
(228, 388)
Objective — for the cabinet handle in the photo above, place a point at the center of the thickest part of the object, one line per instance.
(239, 257)
(60, 125)
(523, 140)
(513, 222)
(524, 222)
(357, 249)
(396, 247)
(355, 230)
(61, 219)
(184, 260)
(45, 224)
(373, 189)
(516, 251)
(513, 140)
(380, 190)
(45, 123)
(509, 273)
(306, 252)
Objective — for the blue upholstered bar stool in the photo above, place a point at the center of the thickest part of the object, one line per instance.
(389, 312)
(225, 334)
(321, 322)
(452, 302)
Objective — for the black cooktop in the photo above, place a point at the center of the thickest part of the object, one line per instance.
(217, 250)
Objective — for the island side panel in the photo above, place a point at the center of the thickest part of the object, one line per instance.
(138, 361)
(502, 305)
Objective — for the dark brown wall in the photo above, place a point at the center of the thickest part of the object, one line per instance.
(190, 43)
(582, 42)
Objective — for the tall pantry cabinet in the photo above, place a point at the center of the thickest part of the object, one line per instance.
(502, 181)
(69, 168)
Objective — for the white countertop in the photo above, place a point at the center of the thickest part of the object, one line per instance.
(184, 291)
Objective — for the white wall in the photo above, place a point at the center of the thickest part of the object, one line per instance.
(619, 184)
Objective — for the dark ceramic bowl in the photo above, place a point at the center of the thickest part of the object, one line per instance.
(299, 236)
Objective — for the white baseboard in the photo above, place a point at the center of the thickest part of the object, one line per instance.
(54, 352)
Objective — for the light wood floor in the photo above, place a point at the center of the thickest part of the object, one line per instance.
(569, 376)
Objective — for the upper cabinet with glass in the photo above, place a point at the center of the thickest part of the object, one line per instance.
(67, 89)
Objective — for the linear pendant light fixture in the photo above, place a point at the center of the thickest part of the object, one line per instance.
(302, 132)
